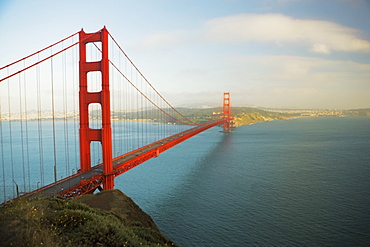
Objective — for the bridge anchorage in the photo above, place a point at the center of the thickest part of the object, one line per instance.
(144, 111)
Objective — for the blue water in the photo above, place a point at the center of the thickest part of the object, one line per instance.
(301, 182)
(35, 153)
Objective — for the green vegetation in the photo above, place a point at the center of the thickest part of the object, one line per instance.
(248, 115)
(200, 115)
(195, 114)
(242, 115)
(113, 219)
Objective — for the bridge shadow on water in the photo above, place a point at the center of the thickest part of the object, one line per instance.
(199, 190)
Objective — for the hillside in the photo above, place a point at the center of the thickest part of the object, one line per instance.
(358, 112)
(248, 115)
(242, 115)
(109, 218)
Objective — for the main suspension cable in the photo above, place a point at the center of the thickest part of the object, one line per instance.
(38, 51)
(149, 82)
(146, 97)
(20, 71)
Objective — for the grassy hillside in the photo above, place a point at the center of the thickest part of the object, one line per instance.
(112, 219)
(248, 115)
(242, 115)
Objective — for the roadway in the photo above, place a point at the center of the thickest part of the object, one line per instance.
(120, 164)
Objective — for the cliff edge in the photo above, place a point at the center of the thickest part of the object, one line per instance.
(108, 218)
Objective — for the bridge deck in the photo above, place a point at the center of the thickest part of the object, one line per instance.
(86, 182)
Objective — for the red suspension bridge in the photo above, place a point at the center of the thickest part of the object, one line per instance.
(54, 140)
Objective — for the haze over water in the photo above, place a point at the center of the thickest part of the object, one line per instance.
(302, 182)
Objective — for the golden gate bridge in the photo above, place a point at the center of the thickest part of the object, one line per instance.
(78, 113)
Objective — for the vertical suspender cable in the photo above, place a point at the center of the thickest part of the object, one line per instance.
(53, 117)
(27, 139)
(65, 109)
(39, 124)
(127, 102)
(133, 109)
(154, 117)
(164, 126)
(22, 139)
(75, 110)
(146, 118)
(158, 121)
(2, 150)
(127, 144)
(141, 115)
(139, 139)
(137, 117)
(113, 103)
(123, 115)
(10, 136)
(120, 109)
(164, 123)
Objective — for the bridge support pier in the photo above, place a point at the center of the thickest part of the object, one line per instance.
(103, 135)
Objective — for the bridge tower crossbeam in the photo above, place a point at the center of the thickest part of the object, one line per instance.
(103, 135)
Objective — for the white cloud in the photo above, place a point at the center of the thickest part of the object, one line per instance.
(273, 81)
(320, 48)
(294, 81)
(320, 36)
(217, 57)
(281, 81)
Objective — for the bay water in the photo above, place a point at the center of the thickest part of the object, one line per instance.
(299, 182)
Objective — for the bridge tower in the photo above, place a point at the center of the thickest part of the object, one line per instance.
(87, 134)
(227, 113)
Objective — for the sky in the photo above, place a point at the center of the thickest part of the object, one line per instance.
(266, 53)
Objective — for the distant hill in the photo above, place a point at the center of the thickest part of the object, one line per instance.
(248, 115)
(242, 115)
(358, 112)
